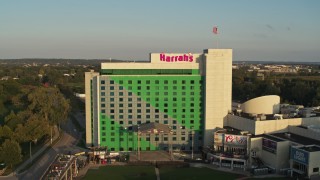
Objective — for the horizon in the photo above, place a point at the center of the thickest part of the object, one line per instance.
(256, 31)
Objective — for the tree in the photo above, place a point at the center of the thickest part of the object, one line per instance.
(5, 132)
(33, 130)
(49, 104)
(10, 152)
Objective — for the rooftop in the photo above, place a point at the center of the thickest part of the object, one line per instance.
(297, 138)
(310, 148)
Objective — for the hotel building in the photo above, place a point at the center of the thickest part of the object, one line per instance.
(189, 93)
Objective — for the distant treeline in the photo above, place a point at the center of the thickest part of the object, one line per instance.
(302, 89)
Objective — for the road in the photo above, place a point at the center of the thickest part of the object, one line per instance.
(66, 144)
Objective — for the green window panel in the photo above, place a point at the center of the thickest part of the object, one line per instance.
(187, 100)
(149, 71)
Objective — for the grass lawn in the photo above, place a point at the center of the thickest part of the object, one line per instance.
(122, 172)
(168, 173)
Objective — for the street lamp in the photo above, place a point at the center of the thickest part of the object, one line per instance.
(125, 129)
(192, 132)
(138, 142)
(35, 141)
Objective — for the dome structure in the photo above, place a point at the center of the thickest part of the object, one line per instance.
(262, 105)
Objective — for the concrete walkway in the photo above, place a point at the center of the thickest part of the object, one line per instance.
(157, 173)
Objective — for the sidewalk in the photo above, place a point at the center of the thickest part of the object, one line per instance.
(35, 155)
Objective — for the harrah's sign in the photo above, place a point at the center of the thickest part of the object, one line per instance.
(176, 58)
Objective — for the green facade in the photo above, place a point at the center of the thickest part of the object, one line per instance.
(178, 97)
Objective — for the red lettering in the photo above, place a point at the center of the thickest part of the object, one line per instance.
(190, 58)
(162, 57)
(184, 57)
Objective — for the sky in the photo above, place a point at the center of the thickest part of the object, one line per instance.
(256, 30)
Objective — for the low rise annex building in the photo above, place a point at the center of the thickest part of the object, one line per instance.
(190, 93)
(278, 140)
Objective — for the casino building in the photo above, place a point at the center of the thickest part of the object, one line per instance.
(188, 93)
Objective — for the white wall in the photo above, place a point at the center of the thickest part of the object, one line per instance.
(88, 78)
(304, 132)
(218, 78)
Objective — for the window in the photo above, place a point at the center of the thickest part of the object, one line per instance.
(120, 110)
(103, 87)
(129, 82)
(175, 82)
(316, 169)
(111, 88)
(120, 93)
(120, 105)
(148, 81)
(111, 93)
(139, 82)
(103, 105)
(103, 82)
(103, 93)
(138, 105)
(103, 99)
(111, 82)
(157, 82)
(120, 82)
(166, 82)
(192, 82)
